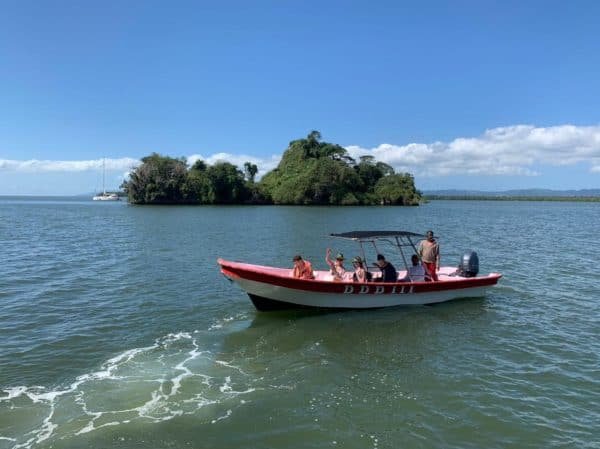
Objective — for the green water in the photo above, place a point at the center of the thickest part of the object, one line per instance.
(117, 330)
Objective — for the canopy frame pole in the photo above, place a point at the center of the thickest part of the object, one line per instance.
(362, 251)
(414, 248)
(402, 253)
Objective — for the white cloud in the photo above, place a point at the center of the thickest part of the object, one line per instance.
(125, 165)
(37, 166)
(513, 150)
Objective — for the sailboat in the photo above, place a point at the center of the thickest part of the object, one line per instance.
(104, 196)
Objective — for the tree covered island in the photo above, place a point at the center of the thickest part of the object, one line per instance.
(311, 172)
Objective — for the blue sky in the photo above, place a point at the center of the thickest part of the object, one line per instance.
(481, 94)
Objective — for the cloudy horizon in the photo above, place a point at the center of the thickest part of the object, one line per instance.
(512, 153)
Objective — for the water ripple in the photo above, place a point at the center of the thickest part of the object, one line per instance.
(117, 331)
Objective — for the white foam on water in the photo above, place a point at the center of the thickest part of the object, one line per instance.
(135, 367)
(200, 401)
(229, 365)
(47, 428)
(108, 424)
(90, 425)
(226, 387)
(219, 324)
(193, 354)
(227, 415)
(12, 393)
(27, 444)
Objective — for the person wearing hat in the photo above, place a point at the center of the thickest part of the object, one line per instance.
(360, 274)
(429, 251)
(337, 267)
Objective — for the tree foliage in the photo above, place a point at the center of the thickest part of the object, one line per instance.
(316, 172)
(164, 180)
(158, 180)
(310, 172)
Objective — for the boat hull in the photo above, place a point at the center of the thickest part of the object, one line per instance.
(106, 198)
(273, 289)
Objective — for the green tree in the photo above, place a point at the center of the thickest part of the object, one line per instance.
(397, 189)
(250, 171)
(197, 187)
(315, 172)
(199, 166)
(227, 184)
(312, 172)
(158, 180)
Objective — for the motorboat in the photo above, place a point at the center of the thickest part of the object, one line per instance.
(273, 288)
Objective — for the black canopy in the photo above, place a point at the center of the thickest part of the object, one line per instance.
(366, 235)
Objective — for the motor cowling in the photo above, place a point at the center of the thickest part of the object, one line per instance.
(469, 264)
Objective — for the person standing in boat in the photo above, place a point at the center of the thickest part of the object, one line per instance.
(429, 252)
(337, 268)
(388, 271)
(302, 268)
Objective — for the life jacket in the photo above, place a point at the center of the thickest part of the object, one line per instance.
(305, 272)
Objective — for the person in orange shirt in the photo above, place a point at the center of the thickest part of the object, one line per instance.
(302, 268)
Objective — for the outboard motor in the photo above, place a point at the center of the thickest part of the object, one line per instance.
(469, 265)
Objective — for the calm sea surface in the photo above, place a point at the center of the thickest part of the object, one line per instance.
(117, 330)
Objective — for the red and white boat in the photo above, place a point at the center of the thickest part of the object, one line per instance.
(272, 288)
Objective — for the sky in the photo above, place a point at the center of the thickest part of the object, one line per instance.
(462, 94)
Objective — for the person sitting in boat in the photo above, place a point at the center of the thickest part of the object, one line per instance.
(360, 274)
(388, 272)
(337, 268)
(415, 273)
(302, 268)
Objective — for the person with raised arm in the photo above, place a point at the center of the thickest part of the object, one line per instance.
(337, 267)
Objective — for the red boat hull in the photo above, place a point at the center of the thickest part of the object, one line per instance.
(272, 288)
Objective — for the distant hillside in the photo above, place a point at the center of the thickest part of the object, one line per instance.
(528, 193)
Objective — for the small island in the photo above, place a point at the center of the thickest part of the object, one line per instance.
(311, 172)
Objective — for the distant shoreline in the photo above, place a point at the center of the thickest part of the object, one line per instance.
(585, 199)
(426, 198)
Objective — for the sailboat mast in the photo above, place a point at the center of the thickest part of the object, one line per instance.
(103, 172)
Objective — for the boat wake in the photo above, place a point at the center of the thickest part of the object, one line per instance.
(173, 377)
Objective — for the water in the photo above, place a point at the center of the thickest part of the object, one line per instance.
(117, 330)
